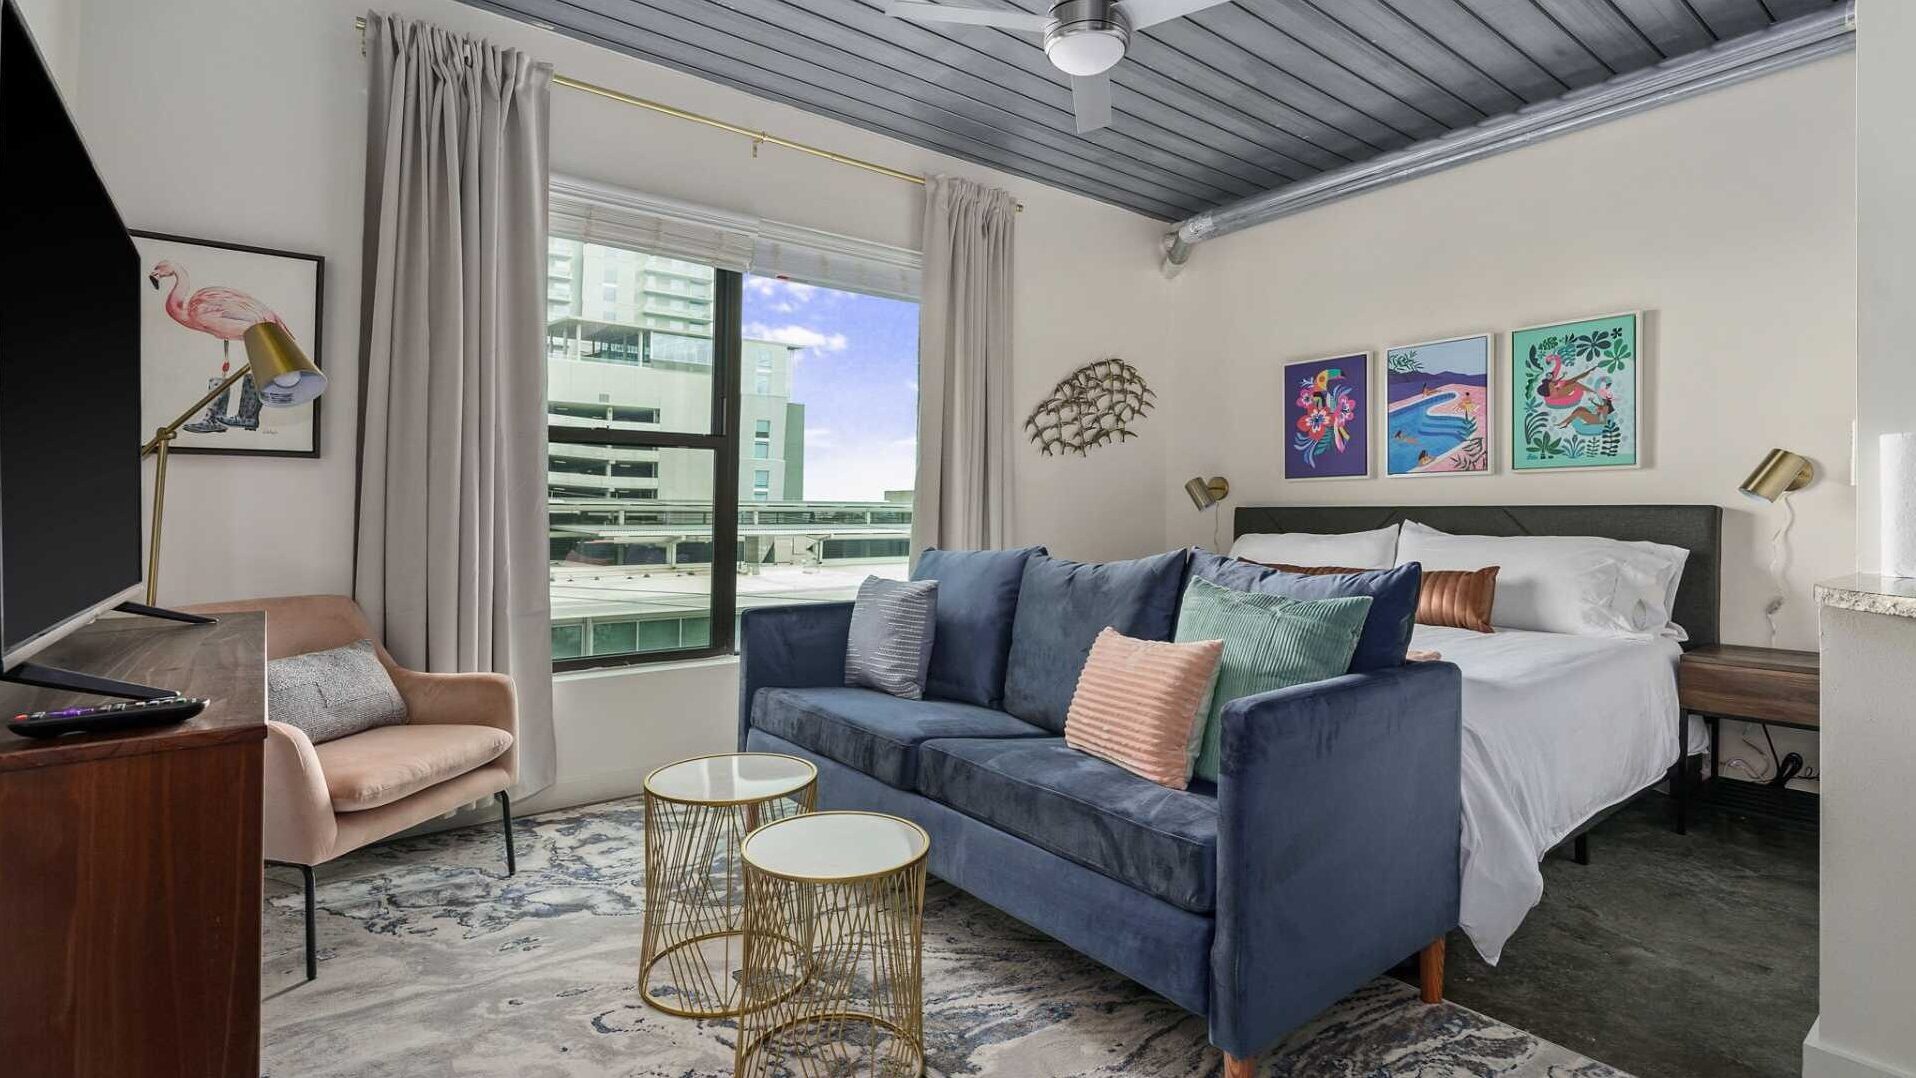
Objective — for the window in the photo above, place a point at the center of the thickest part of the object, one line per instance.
(684, 399)
(643, 473)
(835, 414)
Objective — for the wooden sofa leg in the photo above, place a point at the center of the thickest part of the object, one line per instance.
(1430, 971)
(1239, 1068)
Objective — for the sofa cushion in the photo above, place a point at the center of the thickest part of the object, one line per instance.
(1063, 606)
(1161, 841)
(1393, 594)
(977, 598)
(380, 766)
(888, 647)
(873, 732)
(1270, 642)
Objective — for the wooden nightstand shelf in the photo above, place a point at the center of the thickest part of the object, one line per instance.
(1768, 686)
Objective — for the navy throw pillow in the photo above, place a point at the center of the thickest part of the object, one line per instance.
(1393, 595)
(977, 598)
(1064, 605)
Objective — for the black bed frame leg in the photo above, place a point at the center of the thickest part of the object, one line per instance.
(1581, 850)
(505, 814)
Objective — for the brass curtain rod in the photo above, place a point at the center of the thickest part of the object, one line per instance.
(759, 138)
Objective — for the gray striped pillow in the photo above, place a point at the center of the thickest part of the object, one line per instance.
(890, 644)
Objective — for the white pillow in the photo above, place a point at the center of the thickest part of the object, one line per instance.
(1576, 584)
(1355, 550)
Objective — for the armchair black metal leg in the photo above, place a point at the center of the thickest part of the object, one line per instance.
(312, 948)
(505, 814)
(1581, 851)
(312, 945)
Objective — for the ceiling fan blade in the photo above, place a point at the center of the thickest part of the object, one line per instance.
(976, 16)
(1091, 101)
(1143, 13)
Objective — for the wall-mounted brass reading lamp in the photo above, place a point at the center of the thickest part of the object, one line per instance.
(1206, 494)
(1773, 480)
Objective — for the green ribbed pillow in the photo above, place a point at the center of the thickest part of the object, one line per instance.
(1270, 642)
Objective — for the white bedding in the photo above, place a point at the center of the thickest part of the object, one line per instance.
(1556, 729)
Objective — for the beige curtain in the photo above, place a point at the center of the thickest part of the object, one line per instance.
(962, 498)
(451, 557)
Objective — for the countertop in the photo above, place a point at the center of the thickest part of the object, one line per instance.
(1892, 595)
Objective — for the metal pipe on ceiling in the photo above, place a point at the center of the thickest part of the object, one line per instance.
(1783, 45)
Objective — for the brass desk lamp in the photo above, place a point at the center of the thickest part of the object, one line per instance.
(283, 377)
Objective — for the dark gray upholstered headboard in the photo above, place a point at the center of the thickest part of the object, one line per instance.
(1696, 528)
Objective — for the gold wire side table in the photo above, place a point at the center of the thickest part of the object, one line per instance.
(834, 925)
(697, 814)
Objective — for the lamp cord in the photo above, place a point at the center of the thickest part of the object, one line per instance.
(1779, 561)
(1217, 529)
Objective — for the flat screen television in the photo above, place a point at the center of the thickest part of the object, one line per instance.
(69, 369)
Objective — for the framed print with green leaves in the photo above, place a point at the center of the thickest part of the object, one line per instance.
(1575, 394)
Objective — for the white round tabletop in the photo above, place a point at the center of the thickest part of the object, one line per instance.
(825, 846)
(731, 778)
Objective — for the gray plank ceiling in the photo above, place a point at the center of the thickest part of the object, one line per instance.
(1238, 99)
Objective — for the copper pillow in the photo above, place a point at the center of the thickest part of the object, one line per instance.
(1449, 597)
(1457, 598)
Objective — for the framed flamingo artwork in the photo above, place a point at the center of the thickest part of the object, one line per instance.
(201, 297)
(1574, 394)
(1327, 418)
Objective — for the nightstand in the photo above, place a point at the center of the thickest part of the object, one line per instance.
(1768, 686)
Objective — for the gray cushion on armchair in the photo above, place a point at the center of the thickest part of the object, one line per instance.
(333, 693)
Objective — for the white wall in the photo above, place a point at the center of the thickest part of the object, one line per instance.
(1729, 219)
(1867, 936)
(1886, 256)
(55, 25)
(246, 121)
(1868, 940)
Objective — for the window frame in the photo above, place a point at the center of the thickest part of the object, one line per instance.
(723, 442)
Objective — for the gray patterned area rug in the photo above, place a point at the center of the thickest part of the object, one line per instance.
(432, 962)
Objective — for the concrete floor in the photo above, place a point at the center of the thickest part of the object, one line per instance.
(1668, 956)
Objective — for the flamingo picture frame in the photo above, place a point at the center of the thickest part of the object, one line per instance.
(1575, 394)
(200, 298)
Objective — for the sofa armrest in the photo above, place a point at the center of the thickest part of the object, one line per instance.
(297, 823)
(801, 646)
(1339, 838)
(474, 699)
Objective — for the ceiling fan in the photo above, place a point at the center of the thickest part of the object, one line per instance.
(1082, 38)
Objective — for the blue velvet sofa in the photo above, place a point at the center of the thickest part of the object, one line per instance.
(1326, 853)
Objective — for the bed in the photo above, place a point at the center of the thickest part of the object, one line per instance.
(1559, 730)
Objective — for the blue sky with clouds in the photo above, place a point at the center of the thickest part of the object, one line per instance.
(857, 376)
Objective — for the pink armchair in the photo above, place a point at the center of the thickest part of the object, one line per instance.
(457, 745)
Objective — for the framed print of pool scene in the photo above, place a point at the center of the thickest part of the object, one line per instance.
(1327, 418)
(1437, 407)
(1575, 399)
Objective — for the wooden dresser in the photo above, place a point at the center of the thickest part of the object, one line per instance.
(130, 865)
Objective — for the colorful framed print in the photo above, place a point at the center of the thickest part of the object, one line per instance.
(1327, 418)
(1575, 394)
(203, 296)
(1437, 412)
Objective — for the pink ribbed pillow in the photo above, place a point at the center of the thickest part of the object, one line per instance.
(1141, 704)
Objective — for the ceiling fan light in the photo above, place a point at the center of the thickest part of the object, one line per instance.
(1084, 53)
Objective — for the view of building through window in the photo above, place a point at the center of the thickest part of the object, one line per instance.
(826, 456)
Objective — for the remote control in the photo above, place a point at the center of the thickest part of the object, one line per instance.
(106, 717)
